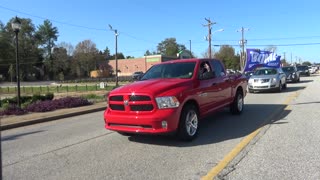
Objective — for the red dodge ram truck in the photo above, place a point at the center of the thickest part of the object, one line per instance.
(173, 96)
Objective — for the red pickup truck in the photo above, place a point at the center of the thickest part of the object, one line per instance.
(173, 96)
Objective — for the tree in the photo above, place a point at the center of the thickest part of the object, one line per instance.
(7, 52)
(68, 46)
(206, 53)
(46, 36)
(119, 56)
(227, 55)
(147, 53)
(130, 57)
(106, 53)
(29, 54)
(85, 58)
(307, 63)
(170, 47)
(60, 62)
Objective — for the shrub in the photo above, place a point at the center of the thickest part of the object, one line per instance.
(49, 96)
(13, 110)
(67, 102)
(41, 106)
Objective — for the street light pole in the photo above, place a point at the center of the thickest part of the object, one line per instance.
(16, 26)
(116, 58)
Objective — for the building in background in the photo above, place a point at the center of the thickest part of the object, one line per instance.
(126, 67)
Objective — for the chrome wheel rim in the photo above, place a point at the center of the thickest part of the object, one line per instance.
(191, 123)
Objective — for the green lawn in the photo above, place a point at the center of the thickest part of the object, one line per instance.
(53, 89)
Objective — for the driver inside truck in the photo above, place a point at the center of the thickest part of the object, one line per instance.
(205, 71)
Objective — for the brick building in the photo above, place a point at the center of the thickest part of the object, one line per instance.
(127, 66)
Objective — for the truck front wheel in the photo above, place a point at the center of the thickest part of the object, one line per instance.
(188, 125)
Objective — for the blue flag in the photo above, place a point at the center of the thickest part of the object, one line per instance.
(257, 58)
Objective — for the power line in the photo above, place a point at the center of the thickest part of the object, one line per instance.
(60, 22)
(301, 44)
(74, 25)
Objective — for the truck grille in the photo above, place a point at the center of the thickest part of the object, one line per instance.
(146, 107)
(262, 80)
(117, 107)
(116, 98)
(131, 103)
(139, 98)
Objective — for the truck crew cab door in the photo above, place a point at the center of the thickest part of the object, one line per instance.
(223, 83)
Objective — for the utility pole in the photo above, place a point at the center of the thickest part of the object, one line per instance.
(209, 34)
(291, 58)
(242, 43)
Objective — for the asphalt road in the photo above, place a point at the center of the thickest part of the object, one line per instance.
(80, 147)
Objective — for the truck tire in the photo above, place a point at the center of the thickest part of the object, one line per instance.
(189, 123)
(284, 86)
(236, 107)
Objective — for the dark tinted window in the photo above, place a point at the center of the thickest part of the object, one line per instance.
(302, 68)
(218, 68)
(170, 70)
(288, 69)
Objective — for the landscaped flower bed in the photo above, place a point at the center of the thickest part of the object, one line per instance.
(46, 105)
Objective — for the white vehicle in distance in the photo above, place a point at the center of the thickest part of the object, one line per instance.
(267, 79)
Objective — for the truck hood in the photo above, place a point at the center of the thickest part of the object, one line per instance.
(154, 87)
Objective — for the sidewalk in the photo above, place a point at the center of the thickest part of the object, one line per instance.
(33, 118)
(290, 147)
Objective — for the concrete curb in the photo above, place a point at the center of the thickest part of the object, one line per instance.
(51, 118)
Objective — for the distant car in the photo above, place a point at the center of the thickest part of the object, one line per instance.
(292, 73)
(266, 79)
(137, 75)
(312, 69)
(303, 70)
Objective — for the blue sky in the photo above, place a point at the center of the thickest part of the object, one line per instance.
(142, 24)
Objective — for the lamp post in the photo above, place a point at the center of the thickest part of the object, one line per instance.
(116, 58)
(16, 26)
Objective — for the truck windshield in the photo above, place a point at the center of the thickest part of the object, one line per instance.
(170, 70)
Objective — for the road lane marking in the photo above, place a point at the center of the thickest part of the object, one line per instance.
(244, 142)
(229, 157)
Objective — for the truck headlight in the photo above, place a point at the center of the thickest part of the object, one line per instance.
(167, 102)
